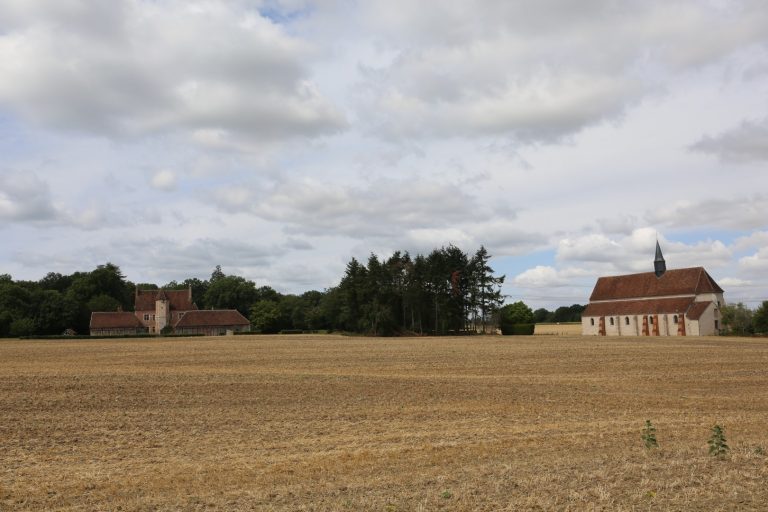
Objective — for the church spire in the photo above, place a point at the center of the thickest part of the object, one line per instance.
(659, 265)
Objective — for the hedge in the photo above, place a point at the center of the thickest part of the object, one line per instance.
(517, 329)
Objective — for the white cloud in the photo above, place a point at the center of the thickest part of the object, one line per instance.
(163, 179)
(756, 239)
(635, 252)
(733, 282)
(745, 143)
(146, 68)
(740, 212)
(383, 208)
(536, 71)
(542, 276)
(26, 198)
(755, 263)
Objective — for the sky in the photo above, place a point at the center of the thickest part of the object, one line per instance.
(281, 138)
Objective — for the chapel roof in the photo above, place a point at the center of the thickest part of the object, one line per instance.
(639, 307)
(684, 281)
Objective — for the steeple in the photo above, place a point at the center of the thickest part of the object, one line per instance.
(659, 265)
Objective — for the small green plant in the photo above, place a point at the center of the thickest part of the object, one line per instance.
(717, 443)
(446, 495)
(649, 435)
(759, 450)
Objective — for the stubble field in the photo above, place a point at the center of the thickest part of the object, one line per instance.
(337, 423)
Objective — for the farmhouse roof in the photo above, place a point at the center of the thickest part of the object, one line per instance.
(684, 281)
(114, 320)
(181, 300)
(212, 318)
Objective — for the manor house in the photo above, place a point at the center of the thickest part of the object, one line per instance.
(157, 309)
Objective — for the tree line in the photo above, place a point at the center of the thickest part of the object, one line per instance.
(740, 320)
(446, 291)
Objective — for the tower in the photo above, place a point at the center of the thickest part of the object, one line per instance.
(162, 311)
(659, 265)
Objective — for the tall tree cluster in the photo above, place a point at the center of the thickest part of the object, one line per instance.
(446, 291)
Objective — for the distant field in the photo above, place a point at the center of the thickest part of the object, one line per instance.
(334, 423)
(561, 329)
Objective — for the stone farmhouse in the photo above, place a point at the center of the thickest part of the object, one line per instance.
(157, 309)
(679, 302)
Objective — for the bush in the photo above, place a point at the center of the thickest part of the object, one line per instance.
(292, 331)
(649, 435)
(718, 446)
(517, 329)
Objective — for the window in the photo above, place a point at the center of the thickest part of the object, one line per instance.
(674, 319)
(146, 317)
(717, 324)
(611, 320)
(650, 319)
(626, 320)
(591, 321)
(181, 314)
(153, 317)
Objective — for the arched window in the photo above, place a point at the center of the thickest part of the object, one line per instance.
(674, 319)
(611, 320)
(650, 319)
(591, 321)
(626, 320)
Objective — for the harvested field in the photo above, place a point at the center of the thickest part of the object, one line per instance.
(335, 423)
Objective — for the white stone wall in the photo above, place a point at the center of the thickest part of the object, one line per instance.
(587, 329)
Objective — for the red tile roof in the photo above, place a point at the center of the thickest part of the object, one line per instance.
(212, 318)
(114, 320)
(697, 309)
(684, 281)
(639, 307)
(181, 300)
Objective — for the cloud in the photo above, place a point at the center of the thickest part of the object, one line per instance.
(747, 142)
(635, 252)
(26, 198)
(385, 208)
(542, 276)
(535, 71)
(756, 239)
(756, 263)
(740, 212)
(163, 180)
(160, 67)
(734, 282)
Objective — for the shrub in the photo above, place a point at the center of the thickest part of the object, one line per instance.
(649, 435)
(517, 329)
(717, 444)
